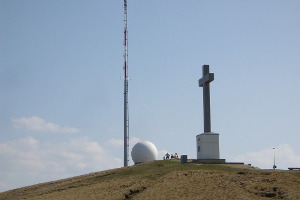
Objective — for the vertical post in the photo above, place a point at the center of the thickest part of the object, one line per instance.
(206, 100)
(126, 122)
(274, 165)
(125, 67)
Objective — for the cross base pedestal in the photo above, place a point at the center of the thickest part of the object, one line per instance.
(208, 146)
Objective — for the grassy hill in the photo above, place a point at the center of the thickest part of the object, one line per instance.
(169, 180)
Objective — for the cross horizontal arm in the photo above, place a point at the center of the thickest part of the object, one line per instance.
(206, 79)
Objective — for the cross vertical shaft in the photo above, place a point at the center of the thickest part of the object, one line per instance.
(206, 103)
(204, 82)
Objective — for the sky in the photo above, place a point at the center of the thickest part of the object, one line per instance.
(61, 84)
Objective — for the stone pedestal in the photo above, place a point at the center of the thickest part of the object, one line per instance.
(208, 146)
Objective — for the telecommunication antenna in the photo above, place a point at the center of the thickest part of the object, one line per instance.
(125, 68)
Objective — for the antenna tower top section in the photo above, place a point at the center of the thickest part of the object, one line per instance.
(125, 67)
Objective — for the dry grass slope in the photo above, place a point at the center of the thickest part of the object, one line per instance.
(169, 180)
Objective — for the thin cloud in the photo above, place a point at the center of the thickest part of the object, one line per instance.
(38, 124)
(4, 187)
(30, 161)
(134, 140)
(120, 142)
(116, 142)
(285, 157)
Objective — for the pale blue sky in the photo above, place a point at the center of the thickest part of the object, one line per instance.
(61, 105)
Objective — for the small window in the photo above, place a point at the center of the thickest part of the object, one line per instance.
(198, 148)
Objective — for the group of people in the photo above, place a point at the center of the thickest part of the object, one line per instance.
(168, 156)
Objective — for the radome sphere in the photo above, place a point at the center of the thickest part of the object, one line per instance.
(143, 152)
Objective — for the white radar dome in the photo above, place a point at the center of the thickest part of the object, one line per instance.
(143, 152)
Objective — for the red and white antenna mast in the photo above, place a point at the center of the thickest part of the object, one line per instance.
(125, 68)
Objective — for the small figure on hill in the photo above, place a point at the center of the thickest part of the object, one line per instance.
(176, 156)
(167, 156)
(172, 157)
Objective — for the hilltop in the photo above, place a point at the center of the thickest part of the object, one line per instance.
(169, 180)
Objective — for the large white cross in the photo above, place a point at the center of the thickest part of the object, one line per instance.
(204, 82)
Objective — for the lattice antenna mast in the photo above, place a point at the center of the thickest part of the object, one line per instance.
(125, 68)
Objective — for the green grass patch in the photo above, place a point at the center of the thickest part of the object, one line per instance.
(156, 169)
